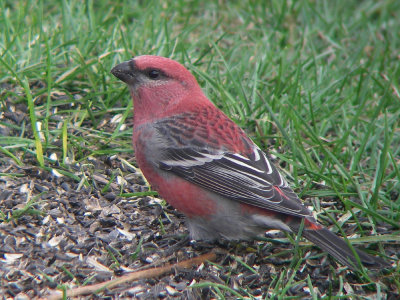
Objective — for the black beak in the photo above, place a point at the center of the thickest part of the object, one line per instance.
(125, 71)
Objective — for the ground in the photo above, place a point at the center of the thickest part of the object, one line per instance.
(59, 233)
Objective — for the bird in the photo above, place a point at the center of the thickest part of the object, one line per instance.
(205, 166)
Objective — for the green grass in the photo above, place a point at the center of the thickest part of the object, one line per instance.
(314, 82)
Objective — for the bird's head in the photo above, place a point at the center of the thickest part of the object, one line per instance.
(156, 84)
(153, 71)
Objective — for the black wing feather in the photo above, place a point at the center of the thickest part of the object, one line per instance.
(247, 180)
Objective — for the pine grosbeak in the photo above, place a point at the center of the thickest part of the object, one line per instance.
(205, 166)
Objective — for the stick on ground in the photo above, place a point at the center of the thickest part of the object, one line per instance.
(149, 273)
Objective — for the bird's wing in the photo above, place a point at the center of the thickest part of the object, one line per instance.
(252, 180)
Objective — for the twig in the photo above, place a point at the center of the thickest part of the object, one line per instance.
(149, 273)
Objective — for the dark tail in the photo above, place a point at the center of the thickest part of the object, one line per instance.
(339, 249)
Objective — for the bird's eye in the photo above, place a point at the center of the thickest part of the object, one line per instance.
(154, 74)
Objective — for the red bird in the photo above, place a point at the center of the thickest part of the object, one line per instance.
(205, 166)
